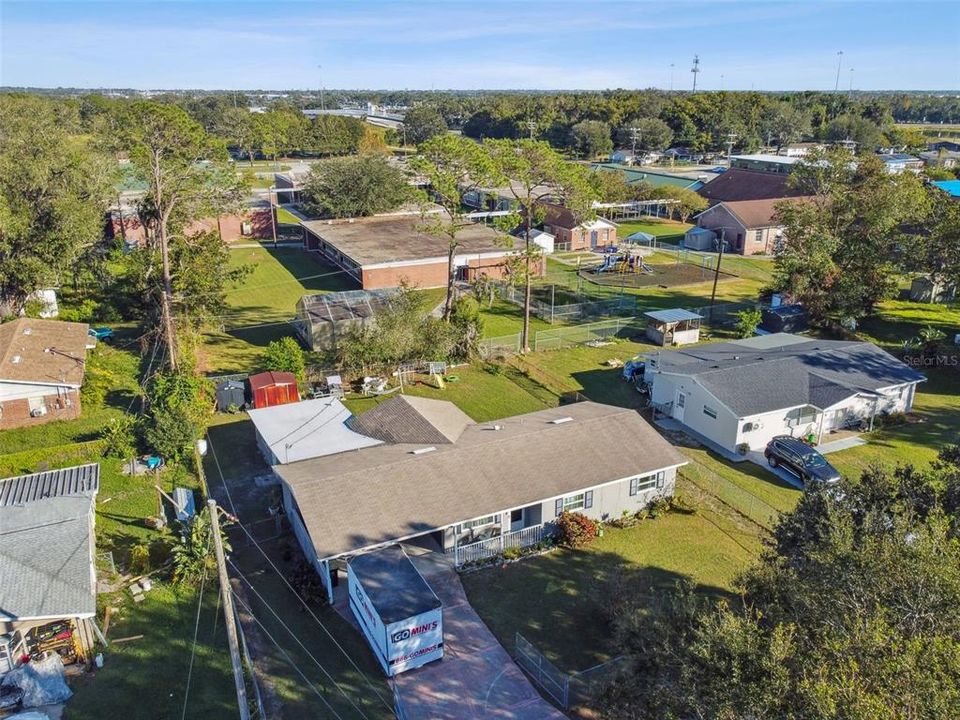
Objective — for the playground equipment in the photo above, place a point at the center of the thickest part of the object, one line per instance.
(624, 262)
(377, 386)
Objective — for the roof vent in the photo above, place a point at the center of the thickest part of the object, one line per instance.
(561, 421)
(15, 359)
(423, 451)
(736, 357)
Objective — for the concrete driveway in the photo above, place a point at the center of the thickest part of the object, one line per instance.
(476, 679)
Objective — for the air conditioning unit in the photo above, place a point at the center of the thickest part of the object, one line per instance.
(39, 412)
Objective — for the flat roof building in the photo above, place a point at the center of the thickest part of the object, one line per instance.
(389, 250)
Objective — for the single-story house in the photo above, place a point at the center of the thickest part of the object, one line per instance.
(47, 569)
(748, 391)
(41, 370)
(624, 156)
(749, 227)
(307, 429)
(762, 162)
(928, 290)
(323, 320)
(445, 482)
(253, 222)
(673, 327)
(941, 158)
(900, 162)
(571, 233)
(736, 184)
(387, 251)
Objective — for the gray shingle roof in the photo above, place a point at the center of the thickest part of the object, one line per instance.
(380, 494)
(47, 544)
(406, 419)
(759, 375)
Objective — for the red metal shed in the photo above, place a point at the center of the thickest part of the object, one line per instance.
(273, 388)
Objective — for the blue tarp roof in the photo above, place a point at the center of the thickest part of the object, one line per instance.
(950, 187)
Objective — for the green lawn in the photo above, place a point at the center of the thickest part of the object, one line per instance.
(662, 229)
(482, 393)
(146, 678)
(505, 318)
(285, 216)
(260, 309)
(557, 600)
(900, 320)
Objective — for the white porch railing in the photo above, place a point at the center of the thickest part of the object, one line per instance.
(494, 546)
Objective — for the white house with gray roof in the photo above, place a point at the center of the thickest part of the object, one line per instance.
(438, 479)
(47, 571)
(749, 391)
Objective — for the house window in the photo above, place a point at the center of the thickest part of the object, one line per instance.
(709, 411)
(479, 522)
(758, 236)
(572, 503)
(801, 416)
(642, 483)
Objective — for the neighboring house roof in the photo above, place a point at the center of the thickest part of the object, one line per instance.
(47, 548)
(564, 217)
(394, 585)
(766, 158)
(271, 377)
(406, 419)
(950, 187)
(736, 184)
(937, 155)
(669, 316)
(308, 429)
(781, 370)
(654, 179)
(384, 493)
(50, 352)
(753, 214)
(897, 157)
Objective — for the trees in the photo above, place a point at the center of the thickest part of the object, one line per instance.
(864, 132)
(53, 195)
(839, 254)
(454, 165)
(853, 613)
(422, 123)
(652, 134)
(747, 322)
(591, 138)
(536, 171)
(177, 158)
(937, 251)
(355, 187)
(688, 202)
(285, 355)
(784, 123)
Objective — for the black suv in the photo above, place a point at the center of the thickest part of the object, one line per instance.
(800, 459)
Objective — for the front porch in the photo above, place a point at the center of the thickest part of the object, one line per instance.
(495, 545)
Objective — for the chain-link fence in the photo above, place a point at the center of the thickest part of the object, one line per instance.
(570, 335)
(566, 689)
(558, 307)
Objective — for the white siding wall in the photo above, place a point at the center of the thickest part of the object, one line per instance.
(771, 424)
(15, 391)
(722, 429)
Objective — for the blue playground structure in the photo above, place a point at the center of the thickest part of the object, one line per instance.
(624, 263)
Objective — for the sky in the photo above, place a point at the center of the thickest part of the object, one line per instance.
(481, 44)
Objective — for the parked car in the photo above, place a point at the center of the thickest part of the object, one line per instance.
(799, 458)
(101, 333)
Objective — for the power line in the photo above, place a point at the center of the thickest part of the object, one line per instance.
(290, 587)
(196, 631)
(289, 660)
(297, 639)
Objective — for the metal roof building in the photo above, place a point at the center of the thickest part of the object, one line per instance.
(324, 319)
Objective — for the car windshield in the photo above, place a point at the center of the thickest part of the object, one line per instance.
(813, 460)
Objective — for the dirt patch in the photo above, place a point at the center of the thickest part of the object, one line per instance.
(667, 276)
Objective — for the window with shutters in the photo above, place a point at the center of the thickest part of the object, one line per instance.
(575, 502)
(642, 483)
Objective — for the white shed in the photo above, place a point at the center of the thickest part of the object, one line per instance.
(697, 238)
(673, 327)
(544, 240)
(398, 612)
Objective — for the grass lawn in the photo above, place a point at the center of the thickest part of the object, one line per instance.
(146, 678)
(505, 318)
(285, 216)
(900, 320)
(557, 600)
(662, 229)
(260, 309)
(481, 392)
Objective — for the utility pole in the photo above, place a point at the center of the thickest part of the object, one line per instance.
(635, 134)
(836, 85)
(695, 70)
(322, 105)
(273, 217)
(730, 138)
(531, 126)
(228, 617)
(716, 273)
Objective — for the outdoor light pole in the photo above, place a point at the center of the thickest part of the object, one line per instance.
(695, 70)
(671, 77)
(320, 72)
(635, 135)
(273, 217)
(836, 85)
(850, 89)
(716, 273)
(531, 126)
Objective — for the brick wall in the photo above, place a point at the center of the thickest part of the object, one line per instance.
(16, 413)
(231, 226)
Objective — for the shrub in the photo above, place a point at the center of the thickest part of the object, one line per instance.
(140, 559)
(119, 437)
(658, 506)
(285, 355)
(748, 321)
(575, 529)
(171, 433)
(513, 553)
